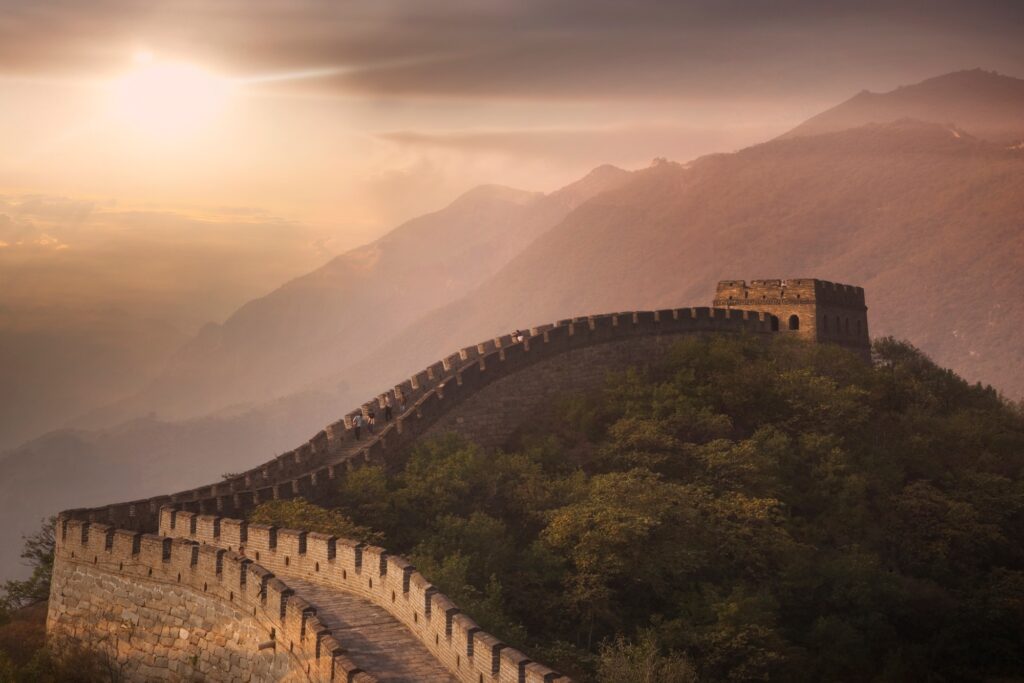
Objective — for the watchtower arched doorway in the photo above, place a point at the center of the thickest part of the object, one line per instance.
(794, 322)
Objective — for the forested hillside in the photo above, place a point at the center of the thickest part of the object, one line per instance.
(736, 511)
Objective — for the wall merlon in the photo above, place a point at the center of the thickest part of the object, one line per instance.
(512, 660)
(321, 547)
(538, 673)
(126, 543)
(154, 550)
(234, 533)
(277, 593)
(209, 562)
(486, 652)
(98, 538)
(262, 537)
(464, 626)
(183, 552)
(291, 542)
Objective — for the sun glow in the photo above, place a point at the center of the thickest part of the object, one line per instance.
(164, 98)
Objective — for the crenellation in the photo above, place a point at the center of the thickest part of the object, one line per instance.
(462, 630)
(538, 673)
(126, 543)
(483, 391)
(291, 542)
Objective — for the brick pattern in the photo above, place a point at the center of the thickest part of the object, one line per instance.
(340, 572)
(155, 630)
(823, 311)
(166, 608)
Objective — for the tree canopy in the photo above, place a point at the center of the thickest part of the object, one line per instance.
(737, 511)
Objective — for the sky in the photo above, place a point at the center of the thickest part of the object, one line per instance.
(351, 116)
(164, 161)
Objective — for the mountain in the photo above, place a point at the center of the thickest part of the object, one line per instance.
(985, 104)
(95, 298)
(336, 315)
(926, 217)
(143, 457)
(310, 328)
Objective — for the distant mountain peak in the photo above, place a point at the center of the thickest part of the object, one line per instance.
(986, 104)
(602, 178)
(491, 192)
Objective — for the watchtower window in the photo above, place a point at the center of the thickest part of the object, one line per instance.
(775, 324)
(794, 322)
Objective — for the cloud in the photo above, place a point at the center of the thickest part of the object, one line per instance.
(50, 242)
(567, 49)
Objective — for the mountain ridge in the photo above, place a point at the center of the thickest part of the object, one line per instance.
(924, 215)
(984, 103)
(275, 344)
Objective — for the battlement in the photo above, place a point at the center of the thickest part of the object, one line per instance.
(189, 577)
(466, 392)
(796, 290)
(386, 580)
(426, 395)
(812, 309)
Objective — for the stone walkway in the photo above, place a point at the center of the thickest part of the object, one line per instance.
(377, 642)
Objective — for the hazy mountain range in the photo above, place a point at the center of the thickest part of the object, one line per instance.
(917, 195)
(338, 314)
(988, 105)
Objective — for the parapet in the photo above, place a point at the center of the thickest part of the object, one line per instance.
(732, 293)
(209, 573)
(425, 396)
(418, 403)
(386, 580)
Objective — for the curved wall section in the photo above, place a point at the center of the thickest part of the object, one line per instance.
(107, 571)
(501, 407)
(427, 395)
(170, 609)
(388, 581)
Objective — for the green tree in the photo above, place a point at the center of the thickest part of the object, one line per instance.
(625, 661)
(38, 555)
(298, 513)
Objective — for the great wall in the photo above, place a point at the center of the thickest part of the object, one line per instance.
(181, 587)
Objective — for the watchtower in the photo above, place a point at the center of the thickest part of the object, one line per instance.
(812, 309)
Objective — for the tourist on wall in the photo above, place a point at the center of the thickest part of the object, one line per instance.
(357, 424)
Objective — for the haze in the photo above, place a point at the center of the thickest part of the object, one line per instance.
(352, 116)
(223, 223)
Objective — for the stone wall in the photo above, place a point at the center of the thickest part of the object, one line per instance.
(503, 406)
(106, 568)
(811, 309)
(169, 609)
(388, 581)
(311, 469)
(153, 630)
